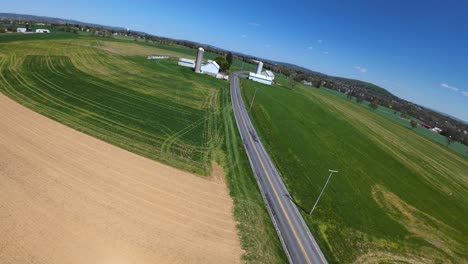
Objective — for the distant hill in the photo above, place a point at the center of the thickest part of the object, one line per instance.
(298, 68)
(369, 86)
(345, 81)
(54, 20)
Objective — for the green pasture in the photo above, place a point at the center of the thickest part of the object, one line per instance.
(398, 196)
(396, 117)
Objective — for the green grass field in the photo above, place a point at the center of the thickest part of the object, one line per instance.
(396, 117)
(108, 89)
(155, 109)
(398, 197)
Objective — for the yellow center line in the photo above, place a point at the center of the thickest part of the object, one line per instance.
(276, 193)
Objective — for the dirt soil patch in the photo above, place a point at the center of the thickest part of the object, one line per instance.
(66, 197)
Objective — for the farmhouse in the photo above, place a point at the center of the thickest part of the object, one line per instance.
(186, 63)
(41, 30)
(21, 30)
(157, 57)
(211, 68)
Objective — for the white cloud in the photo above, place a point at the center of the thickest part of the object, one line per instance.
(243, 36)
(320, 41)
(452, 88)
(310, 48)
(253, 24)
(465, 93)
(325, 52)
(360, 69)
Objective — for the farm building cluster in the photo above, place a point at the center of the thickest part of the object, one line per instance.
(266, 77)
(27, 29)
(209, 67)
(39, 30)
(212, 68)
(431, 128)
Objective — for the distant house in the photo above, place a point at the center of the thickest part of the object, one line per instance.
(21, 30)
(307, 83)
(41, 30)
(436, 129)
(425, 125)
(211, 68)
(157, 57)
(186, 63)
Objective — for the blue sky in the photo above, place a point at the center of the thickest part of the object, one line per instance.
(418, 50)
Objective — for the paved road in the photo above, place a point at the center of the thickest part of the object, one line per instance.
(298, 242)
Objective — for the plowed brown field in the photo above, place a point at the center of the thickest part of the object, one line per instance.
(66, 197)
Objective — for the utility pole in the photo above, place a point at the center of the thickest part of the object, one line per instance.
(253, 98)
(323, 189)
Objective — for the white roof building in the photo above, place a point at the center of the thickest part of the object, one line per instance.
(41, 30)
(155, 57)
(186, 63)
(211, 68)
(22, 30)
(265, 77)
(269, 74)
(260, 78)
(222, 76)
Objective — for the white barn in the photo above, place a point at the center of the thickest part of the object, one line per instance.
(186, 63)
(41, 30)
(211, 68)
(21, 30)
(260, 78)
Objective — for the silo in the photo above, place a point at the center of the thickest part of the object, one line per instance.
(199, 59)
(259, 67)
